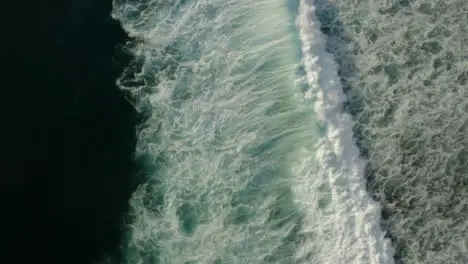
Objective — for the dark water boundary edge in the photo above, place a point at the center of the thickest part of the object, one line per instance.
(69, 133)
(341, 46)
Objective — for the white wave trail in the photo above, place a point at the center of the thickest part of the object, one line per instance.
(343, 227)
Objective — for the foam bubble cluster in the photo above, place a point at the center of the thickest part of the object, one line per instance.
(405, 64)
(342, 220)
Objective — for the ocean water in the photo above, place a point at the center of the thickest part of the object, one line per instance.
(247, 152)
(405, 66)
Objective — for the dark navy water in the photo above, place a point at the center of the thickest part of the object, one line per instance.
(68, 138)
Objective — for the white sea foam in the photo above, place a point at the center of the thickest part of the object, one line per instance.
(344, 226)
(409, 85)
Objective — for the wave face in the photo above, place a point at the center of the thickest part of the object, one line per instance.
(248, 157)
(407, 71)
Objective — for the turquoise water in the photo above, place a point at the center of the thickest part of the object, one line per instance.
(247, 156)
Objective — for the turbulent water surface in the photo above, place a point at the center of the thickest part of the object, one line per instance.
(248, 155)
(407, 71)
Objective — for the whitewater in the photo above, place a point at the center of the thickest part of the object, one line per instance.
(247, 154)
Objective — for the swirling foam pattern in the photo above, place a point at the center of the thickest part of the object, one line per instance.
(409, 63)
(247, 155)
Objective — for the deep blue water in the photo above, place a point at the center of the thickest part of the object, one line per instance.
(68, 132)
